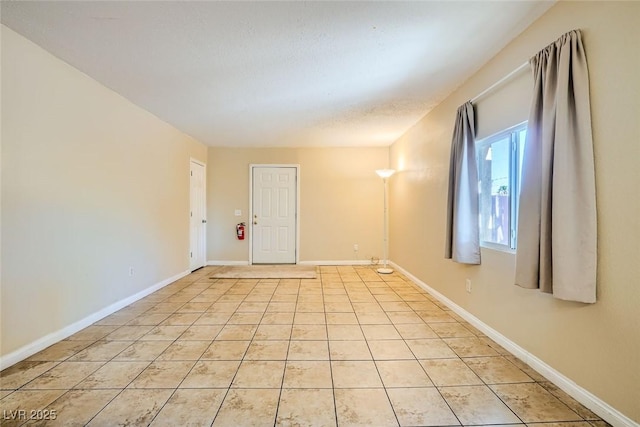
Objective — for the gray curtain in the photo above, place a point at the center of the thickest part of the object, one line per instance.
(557, 218)
(463, 234)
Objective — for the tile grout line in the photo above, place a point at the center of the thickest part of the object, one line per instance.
(175, 390)
(150, 363)
(427, 374)
(124, 388)
(398, 287)
(237, 370)
(333, 385)
(422, 367)
(286, 361)
(373, 360)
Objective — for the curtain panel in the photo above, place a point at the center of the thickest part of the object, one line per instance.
(462, 232)
(557, 240)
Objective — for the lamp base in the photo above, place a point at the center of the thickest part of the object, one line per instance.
(384, 270)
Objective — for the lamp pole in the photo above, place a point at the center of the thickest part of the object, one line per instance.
(385, 174)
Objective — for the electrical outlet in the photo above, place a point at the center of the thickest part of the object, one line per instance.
(468, 284)
(356, 247)
(131, 271)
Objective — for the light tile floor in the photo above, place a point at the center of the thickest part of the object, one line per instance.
(350, 348)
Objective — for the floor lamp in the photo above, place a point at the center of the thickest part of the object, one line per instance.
(384, 174)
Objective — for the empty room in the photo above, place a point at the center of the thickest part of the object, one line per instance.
(393, 213)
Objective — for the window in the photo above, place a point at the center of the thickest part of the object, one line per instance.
(499, 167)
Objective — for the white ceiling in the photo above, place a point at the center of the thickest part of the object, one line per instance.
(278, 73)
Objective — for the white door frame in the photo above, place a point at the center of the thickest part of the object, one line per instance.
(250, 219)
(204, 189)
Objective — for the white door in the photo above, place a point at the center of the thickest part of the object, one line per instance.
(198, 217)
(274, 208)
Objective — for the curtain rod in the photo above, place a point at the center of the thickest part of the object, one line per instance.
(499, 82)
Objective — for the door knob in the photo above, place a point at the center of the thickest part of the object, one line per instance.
(204, 221)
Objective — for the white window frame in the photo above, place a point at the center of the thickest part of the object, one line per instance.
(517, 147)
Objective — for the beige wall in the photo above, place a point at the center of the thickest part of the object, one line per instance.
(340, 200)
(597, 346)
(91, 185)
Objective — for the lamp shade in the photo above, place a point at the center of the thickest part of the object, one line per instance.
(385, 173)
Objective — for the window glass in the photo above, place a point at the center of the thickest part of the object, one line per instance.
(499, 165)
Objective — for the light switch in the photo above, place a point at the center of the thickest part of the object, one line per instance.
(238, 212)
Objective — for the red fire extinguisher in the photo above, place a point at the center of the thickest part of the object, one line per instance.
(240, 230)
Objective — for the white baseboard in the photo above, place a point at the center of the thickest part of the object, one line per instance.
(588, 399)
(52, 338)
(217, 262)
(349, 262)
